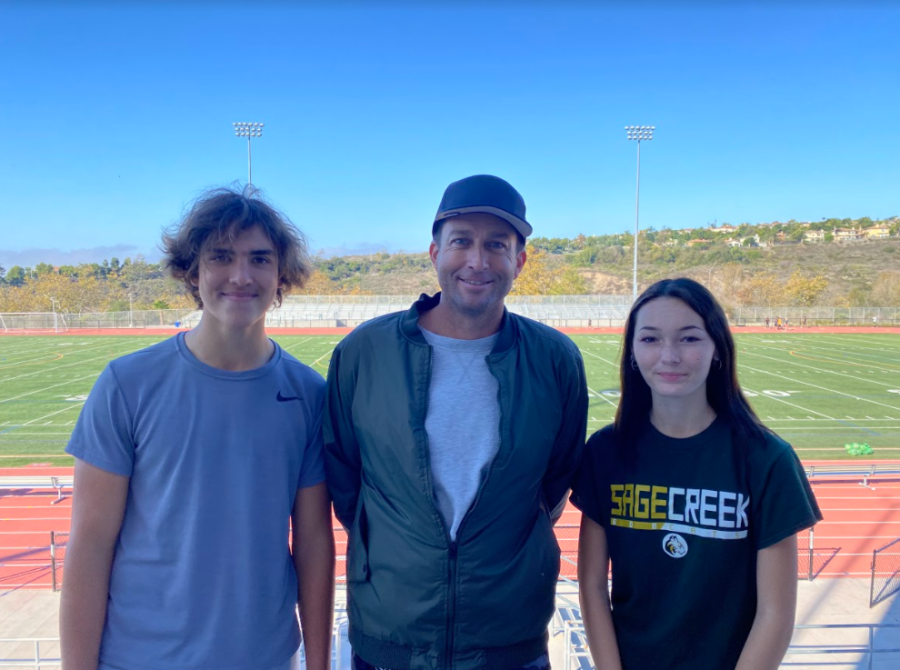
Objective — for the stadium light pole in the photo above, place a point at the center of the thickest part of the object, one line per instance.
(637, 133)
(248, 130)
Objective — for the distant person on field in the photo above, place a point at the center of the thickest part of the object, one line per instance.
(767, 322)
(695, 502)
(452, 432)
(191, 458)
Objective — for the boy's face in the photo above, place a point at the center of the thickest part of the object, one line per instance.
(238, 279)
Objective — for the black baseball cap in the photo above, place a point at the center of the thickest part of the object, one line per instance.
(486, 194)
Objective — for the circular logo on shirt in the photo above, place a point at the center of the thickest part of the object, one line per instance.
(674, 545)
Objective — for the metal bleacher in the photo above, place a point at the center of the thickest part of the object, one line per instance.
(302, 311)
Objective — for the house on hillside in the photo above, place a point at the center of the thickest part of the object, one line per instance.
(877, 232)
(848, 235)
(814, 236)
(726, 228)
(731, 242)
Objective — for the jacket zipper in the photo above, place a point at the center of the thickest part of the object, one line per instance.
(451, 610)
(490, 471)
(451, 545)
(462, 523)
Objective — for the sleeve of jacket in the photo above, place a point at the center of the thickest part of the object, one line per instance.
(569, 447)
(342, 459)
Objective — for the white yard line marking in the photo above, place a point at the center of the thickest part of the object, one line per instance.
(600, 395)
(297, 344)
(825, 388)
(839, 373)
(837, 428)
(46, 416)
(78, 379)
(591, 353)
(18, 434)
(853, 354)
(805, 409)
(854, 339)
(60, 367)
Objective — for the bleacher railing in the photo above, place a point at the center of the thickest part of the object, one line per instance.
(58, 543)
(814, 655)
(885, 572)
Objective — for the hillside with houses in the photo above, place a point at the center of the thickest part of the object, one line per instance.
(834, 262)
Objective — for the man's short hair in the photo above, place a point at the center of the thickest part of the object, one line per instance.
(226, 213)
(436, 235)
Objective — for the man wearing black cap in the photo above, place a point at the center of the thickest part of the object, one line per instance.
(452, 432)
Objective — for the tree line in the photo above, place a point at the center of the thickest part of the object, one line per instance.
(556, 266)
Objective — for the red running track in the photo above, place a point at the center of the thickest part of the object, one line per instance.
(858, 520)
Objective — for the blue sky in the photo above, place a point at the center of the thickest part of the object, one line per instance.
(115, 117)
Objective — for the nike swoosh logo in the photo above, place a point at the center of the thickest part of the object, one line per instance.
(281, 398)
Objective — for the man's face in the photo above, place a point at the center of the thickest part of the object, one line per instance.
(238, 279)
(476, 262)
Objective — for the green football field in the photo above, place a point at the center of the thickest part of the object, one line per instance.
(818, 391)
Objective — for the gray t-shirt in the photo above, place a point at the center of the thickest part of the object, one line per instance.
(463, 422)
(203, 576)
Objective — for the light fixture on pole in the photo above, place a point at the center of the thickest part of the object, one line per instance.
(637, 133)
(248, 130)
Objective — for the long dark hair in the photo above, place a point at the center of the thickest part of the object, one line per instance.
(722, 389)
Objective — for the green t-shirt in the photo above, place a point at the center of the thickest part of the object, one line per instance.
(684, 519)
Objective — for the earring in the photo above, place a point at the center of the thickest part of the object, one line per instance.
(719, 361)
(634, 365)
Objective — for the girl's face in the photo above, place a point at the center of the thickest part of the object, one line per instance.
(673, 351)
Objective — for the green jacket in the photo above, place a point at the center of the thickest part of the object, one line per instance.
(415, 599)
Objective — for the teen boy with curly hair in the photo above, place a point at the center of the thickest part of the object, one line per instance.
(191, 457)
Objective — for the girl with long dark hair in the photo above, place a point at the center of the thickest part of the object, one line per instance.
(695, 502)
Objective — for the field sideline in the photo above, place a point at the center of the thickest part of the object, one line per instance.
(817, 390)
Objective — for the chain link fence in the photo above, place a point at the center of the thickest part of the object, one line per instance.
(62, 321)
(320, 311)
(885, 572)
(807, 317)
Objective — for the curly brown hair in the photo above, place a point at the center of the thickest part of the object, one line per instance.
(225, 213)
